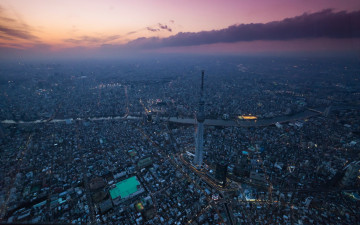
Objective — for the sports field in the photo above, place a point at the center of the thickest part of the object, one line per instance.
(125, 188)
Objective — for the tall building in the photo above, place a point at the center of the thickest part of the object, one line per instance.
(200, 118)
(221, 172)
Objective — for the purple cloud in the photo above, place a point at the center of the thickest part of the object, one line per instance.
(131, 32)
(159, 27)
(323, 24)
(165, 27)
(92, 39)
(152, 29)
(11, 28)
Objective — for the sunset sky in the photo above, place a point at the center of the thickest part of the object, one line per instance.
(86, 26)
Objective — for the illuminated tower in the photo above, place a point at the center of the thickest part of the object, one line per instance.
(199, 136)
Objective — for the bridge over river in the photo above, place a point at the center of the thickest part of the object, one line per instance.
(248, 123)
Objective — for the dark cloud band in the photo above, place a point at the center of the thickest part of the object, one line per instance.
(323, 24)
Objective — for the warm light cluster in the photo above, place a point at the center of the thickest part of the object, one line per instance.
(247, 117)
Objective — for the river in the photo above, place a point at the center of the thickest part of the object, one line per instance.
(207, 122)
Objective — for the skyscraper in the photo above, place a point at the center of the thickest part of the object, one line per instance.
(221, 172)
(200, 118)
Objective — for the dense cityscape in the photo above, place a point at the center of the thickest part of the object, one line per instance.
(258, 140)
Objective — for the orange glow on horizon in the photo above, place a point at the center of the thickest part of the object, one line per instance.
(56, 25)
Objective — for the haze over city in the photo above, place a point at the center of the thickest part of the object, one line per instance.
(180, 112)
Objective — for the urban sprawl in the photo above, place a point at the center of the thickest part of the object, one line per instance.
(114, 143)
